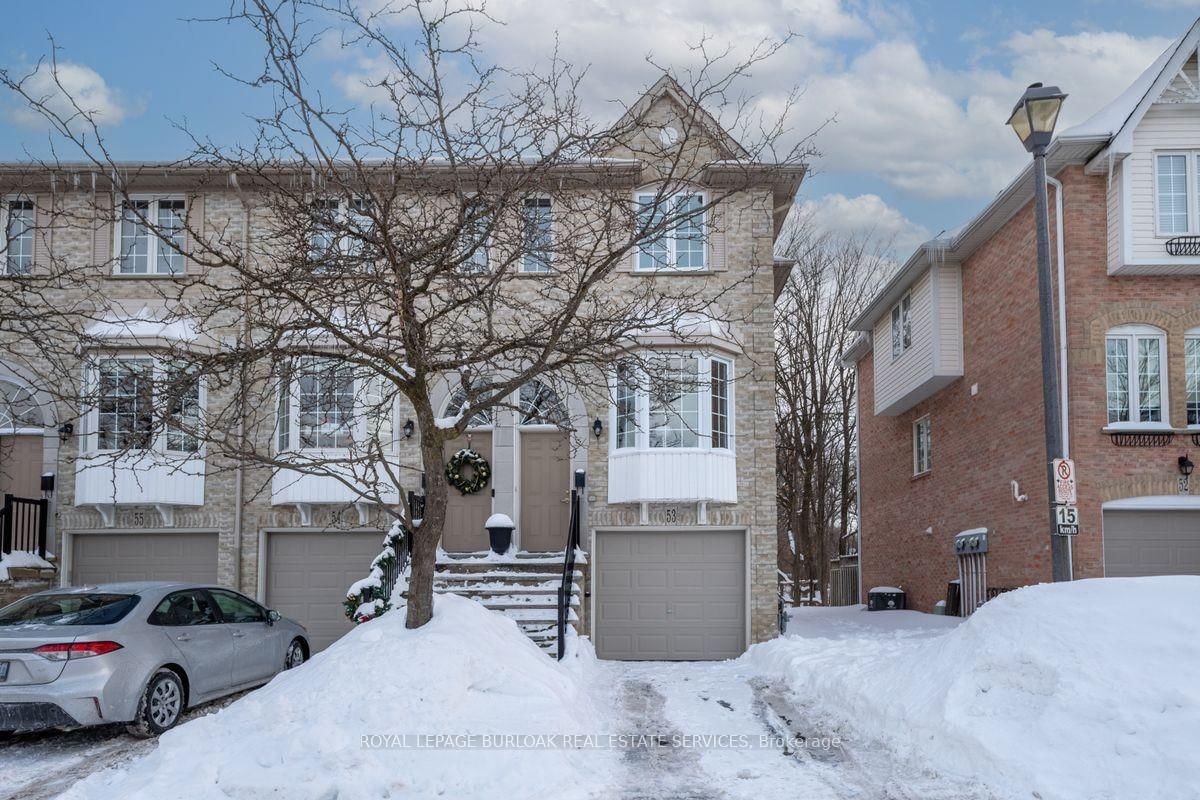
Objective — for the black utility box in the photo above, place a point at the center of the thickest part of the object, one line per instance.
(885, 599)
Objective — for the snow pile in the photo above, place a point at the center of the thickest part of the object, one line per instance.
(469, 671)
(19, 559)
(1059, 691)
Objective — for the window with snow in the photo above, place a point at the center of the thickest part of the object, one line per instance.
(1135, 374)
(150, 236)
(18, 237)
(680, 246)
(454, 407)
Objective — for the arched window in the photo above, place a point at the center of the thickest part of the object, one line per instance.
(1135, 375)
(19, 410)
(480, 419)
(540, 405)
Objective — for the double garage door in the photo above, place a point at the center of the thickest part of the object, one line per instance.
(1143, 542)
(677, 595)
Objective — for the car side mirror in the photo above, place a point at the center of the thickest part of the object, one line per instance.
(272, 617)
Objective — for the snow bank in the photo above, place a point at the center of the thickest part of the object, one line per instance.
(21, 558)
(469, 671)
(1059, 691)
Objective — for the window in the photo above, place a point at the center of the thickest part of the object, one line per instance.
(680, 400)
(901, 326)
(131, 393)
(18, 237)
(537, 235)
(69, 609)
(1135, 374)
(150, 239)
(922, 446)
(539, 405)
(481, 419)
(473, 241)
(235, 608)
(182, 389)
(683, 246)
(1172, 180)
(325, 404)
(1191, 364)
(192, 607)
(341, 233)
(19, 409)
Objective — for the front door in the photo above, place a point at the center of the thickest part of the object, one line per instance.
(466, 513)
(21, 465)
(545, 490)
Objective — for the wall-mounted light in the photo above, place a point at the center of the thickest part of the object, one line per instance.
(65, 430)
(597, 428)
(408, 429)
(1185, 465)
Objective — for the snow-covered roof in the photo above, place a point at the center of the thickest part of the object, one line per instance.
(146, 327)
(1109, 120)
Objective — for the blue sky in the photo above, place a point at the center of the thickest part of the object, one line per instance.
(919, 89)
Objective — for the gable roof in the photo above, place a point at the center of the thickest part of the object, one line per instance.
(1105, 133)
(666, 86)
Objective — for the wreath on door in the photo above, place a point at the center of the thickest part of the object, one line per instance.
(478, 473)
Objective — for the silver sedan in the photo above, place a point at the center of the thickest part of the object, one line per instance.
(138, 653)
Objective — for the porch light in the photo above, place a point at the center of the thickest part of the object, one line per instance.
(408, 429)
(597, 427)
(1185, 465)
(1035, 114)
(65, 430)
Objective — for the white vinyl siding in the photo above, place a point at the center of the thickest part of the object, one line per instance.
(1169, 134)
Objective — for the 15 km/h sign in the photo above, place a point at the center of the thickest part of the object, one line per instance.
(1064, 481)
(1066, 520)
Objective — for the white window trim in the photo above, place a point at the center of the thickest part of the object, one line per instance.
(902, 318)
(704, 430)
(1193, 215)
(1192, 334)
(91, 436)
(8, 200)
(672, 264)
(527, 258)
(1132, 333)
(152, 238)
(359, 430)
(916, 464)
(341, 217)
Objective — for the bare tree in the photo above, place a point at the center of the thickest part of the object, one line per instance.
(471, 225)
(832, 280)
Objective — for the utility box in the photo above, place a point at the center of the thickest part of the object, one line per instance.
(885, 598)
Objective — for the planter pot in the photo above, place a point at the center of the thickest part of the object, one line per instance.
(501, 538)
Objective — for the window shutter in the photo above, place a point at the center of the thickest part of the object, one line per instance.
(103, 230)
(717, 223)
(194, 225)
(43, 222)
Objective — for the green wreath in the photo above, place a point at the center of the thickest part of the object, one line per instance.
(480, 474)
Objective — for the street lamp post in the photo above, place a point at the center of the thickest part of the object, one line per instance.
(1033, 119)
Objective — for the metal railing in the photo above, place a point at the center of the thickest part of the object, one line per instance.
(23, 523)
(566, 588)
(401, 544)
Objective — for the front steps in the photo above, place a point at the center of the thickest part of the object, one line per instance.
(24, 581)
(523, 587)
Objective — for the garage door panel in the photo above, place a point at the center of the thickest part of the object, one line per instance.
(686, 590)
(113, 557)
(307, 575)
(1146, 542)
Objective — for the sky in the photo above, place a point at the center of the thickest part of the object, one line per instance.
(905, 99)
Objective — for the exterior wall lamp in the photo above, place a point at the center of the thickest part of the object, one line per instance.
(597, 428)
(1185, 465)
(65, 430)
(408, 429)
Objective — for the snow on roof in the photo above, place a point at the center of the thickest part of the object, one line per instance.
(143, 324)
(1109, 120)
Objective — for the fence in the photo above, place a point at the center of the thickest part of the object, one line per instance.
(23, 525)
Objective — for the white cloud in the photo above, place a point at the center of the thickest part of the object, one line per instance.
(865, 214)
(56, 88)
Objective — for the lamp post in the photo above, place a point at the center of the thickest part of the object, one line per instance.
(1033, 119)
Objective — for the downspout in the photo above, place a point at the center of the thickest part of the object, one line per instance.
(239, 470)
(1063, 404)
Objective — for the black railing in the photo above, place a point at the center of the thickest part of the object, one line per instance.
(401, 545)
(566, 588)
(23, 526)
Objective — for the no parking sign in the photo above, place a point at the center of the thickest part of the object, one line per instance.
(1064, 481)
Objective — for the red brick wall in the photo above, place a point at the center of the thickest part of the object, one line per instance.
(983, 442)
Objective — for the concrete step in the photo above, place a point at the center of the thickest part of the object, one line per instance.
(501, 579)
(522, 557)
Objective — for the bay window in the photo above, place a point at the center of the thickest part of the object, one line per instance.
(679, 401)
(144, 404)
(150, 236)
(682, 246)
(18, 237)
(1135, 375)
(316, 405)
(1191, 364)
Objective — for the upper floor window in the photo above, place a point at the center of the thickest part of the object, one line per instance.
(902, 326)
(473, 241)
(143, 404)
(1135, 374)
(1191, 363)
(537, 234)
(682, 247)
(341, 232)
(18, 237)
(150, 236)
(681, 400)
(922, 446)
(1177, 193)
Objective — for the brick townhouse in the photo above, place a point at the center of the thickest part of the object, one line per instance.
(684, 521)
(949, 366)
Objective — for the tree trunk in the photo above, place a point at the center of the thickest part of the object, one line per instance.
(428, 535)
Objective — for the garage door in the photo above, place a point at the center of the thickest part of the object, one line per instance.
(110, 557)
(1151, 543)
(670, 596)
(308, 574)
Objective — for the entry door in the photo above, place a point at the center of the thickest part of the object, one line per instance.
(545, 490)
(465, 514)
(21, 465)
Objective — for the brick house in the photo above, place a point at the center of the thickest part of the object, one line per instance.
(950, 405)
(698, 508)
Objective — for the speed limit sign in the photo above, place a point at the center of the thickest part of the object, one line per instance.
(1066, 520)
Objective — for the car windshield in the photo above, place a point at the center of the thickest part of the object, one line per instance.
(68, 609)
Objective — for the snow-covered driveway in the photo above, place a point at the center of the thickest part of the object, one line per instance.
(720, 731)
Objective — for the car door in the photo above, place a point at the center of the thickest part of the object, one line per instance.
(257, 654)
(192, 622)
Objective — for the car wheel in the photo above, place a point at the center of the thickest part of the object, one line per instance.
(161, 705)
(295, 655)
